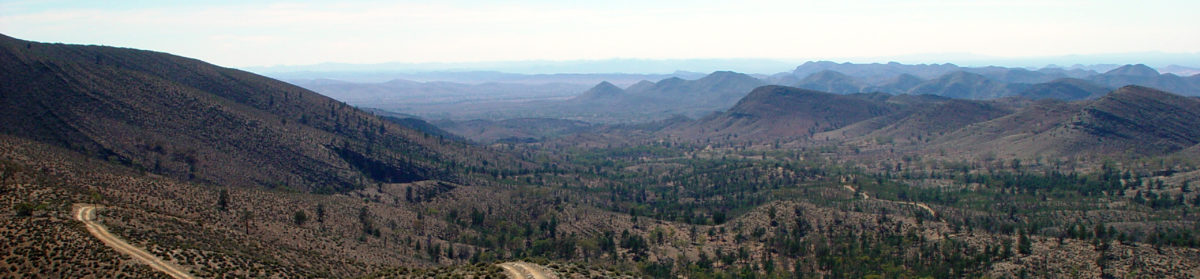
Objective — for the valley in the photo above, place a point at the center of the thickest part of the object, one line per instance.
(830, 171)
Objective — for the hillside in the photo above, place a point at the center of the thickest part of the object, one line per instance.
(785, 112)
(1131, 121)
(1143, 75)
(933, 120)
(964, 85)
(832, 82)
(191, 120)
(1141, 120)
(1069, 89)
(605, 92)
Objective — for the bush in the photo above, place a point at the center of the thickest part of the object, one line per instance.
(26, 209)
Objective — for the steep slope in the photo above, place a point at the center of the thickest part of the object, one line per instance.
(1064, 89)
(787, 112)
(190, 120)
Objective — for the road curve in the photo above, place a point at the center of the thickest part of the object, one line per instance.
(917, 204)
(87, 215)
(524, 270)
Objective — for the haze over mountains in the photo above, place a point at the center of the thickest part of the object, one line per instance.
(619, 99)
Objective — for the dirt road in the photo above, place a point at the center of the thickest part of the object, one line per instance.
(917, 204)
(87, 215)
(524, 270)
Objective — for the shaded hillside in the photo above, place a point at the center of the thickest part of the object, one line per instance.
(778, 111)
(194, 121)
(1064, 89)
(1145, 120)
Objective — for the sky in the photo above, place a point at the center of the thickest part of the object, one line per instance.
(266, 33)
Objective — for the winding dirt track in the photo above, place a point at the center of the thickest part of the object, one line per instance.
(524, 270)
(917, 204)
(87, 215)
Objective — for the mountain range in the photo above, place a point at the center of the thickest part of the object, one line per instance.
(1130, 120)
(979, 83)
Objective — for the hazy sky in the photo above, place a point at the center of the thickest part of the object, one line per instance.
(260, 33)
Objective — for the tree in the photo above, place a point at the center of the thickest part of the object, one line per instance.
(1024, 245)
(300, 218)
(321, 213)
(26, 209)
(247, 216)
(223, 200)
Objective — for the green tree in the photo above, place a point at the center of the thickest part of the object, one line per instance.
(1024, 245)
(300, 217)
(321, 213)
(223, 200)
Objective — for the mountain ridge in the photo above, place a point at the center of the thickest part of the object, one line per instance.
(187, 119)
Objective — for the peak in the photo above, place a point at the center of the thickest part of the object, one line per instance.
(603, 90)
(606, 87)
(1134, 70)
(725, 73)
(670, 81)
